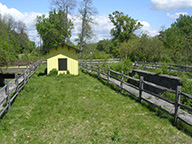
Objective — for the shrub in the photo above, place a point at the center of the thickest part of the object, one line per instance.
(53, 72)
(68, 72)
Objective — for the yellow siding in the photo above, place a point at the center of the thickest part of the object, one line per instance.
(63, 52)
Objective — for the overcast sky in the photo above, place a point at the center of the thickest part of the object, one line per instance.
(153, 14)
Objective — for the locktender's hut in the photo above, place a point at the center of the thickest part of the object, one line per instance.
(63, 58)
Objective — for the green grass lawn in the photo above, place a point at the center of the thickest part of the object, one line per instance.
(80, 109)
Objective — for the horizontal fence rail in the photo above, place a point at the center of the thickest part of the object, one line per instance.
(12, 88)
(98, 61)
(170, 67)
(172, 107)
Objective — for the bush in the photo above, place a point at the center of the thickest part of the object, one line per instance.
(53, 72)
(68, 72)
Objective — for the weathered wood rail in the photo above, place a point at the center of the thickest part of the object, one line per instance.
(170, 67)
(98, 61)
(174, 108)
(11, 89)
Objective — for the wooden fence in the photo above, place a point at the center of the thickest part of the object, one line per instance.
(174, 108)
(11, 89)
(98, 61)
(170, 67)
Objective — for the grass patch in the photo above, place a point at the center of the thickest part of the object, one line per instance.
(80, 109)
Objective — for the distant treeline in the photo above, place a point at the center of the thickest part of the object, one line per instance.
(13, 39)
(171, 45)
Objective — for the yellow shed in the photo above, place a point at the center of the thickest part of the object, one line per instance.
(63, 58)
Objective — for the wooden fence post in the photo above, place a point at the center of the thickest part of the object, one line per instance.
(8, 95)
(108, 74)
(86, 67)
(27, 73)
(135, 64)
(155, 65)
(24, 77)
(91, 69)
(99, 71)
(140, 87)
(185, 68)
(169, 67)
(122, 78)
(177, 102)
(17, 83)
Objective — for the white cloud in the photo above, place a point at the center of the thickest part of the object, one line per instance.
(164, 5)
(148, 29)
(176, 15)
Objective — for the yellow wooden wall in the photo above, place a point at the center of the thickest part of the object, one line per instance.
(63, 52)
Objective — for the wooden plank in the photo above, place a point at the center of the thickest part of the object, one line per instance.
(141, 88)
(115, 77)
(131, 85)
(177, 102)
(186, 107)
(121, 82)
(115, 72)
(8, 94)
(137, 80)
(159, 87)
(166, 111)
(151, 93)
(186, 95)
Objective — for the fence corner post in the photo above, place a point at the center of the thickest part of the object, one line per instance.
(177, 102)
(122, 78)
(17, 83)
(8, 94)
(140, 87)
(108, 74)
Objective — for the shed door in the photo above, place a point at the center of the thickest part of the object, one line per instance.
(62, 64)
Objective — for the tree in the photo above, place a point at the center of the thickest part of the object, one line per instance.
(65, 6)
(13, 39)
(52, 30)
(178, 39)
(87, 12)
(104, 45)
(124, 26)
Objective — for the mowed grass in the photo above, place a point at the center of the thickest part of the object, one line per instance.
(80, 109)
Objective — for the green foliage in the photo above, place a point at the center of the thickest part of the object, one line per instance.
(123, 30)
(53, 72)
(178, 40)
(53, 29)
(13, 40)
(68, 72)
(104, 45)
(124, 26)
(136, 76)
(125, 66)
(186, 88)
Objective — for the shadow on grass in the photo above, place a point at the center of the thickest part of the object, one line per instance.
(182, 126)
(43, 74)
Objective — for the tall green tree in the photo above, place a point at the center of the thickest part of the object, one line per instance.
(52, 30)
(124, 26)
